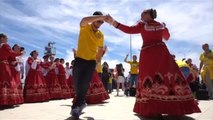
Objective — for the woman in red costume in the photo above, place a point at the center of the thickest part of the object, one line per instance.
(62, 79)
(35, 89)
(9, 94)
(52, 81)
(96, 92)
(70, 81)
(162, 89)
(45, 65)
(15, 70)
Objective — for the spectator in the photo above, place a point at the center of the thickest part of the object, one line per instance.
(206, 68)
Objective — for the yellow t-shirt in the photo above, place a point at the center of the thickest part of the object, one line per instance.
(207, 65)
(134, 67)
(88, 43)
(207, 61)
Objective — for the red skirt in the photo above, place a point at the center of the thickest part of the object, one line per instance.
(70, 82)
(53, 85)
(35, 89)
(9, 93)
(162, 89)
(64, 86)
(96, 92)
(16, 76)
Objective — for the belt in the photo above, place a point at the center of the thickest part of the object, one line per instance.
(152, 45)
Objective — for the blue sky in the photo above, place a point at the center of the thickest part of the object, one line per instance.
(34, 23)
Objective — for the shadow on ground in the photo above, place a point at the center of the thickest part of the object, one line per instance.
(165, 117)
(8, 107)
(74, 118)
(99, 104)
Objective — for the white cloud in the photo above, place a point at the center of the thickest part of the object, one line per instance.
(69, 56)
(190, 22)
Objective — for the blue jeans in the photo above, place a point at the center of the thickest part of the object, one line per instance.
(109, 87)
(82, 74)
(134, 79)
(209, 85)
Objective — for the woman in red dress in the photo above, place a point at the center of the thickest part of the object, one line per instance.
(45, 65)
(35, 89)
(96, 92)
(52, 81)
(9, 94)
(62, 79)
(16, 72)
(70, 81)
(162, 89)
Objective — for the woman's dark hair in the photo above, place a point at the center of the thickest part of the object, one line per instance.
(22, 49)
(152, 12)
(57, 59)
(2, 35)
(72, 62)
(62, 59)
(31, 54)
(120, 69)
(14, 46)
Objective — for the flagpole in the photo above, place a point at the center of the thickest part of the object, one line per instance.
(130, 46)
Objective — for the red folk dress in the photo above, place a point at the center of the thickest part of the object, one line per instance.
(35, 89)
(63, 82)
(53, 83)
(162, 89)
(17, 77)
(45, 68)
(96, 92)
(70, 82)
(9, 94)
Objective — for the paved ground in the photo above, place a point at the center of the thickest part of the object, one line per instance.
(116, 108)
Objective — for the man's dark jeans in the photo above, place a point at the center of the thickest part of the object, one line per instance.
(82, 74)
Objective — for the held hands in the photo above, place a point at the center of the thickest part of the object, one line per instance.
(108, 19)
(111, 21)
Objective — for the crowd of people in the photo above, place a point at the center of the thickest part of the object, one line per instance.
(163, 85)
(37, 80)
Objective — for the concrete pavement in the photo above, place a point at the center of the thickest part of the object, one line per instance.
(116, 108)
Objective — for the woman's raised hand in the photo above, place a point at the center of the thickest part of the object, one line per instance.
(108, 19)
